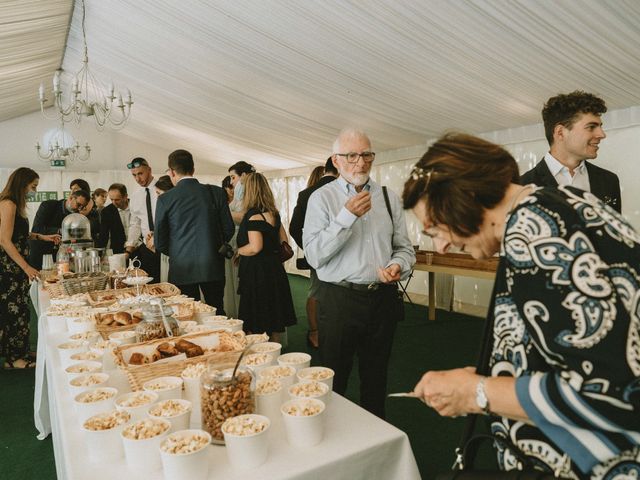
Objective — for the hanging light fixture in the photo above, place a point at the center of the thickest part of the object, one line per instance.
(63, 148)
(88, 96)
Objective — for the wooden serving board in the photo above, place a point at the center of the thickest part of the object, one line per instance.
(461, 260)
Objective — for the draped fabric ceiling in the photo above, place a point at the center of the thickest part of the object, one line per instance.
(273, 81)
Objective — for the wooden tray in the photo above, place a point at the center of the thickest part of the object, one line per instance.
(461, 260)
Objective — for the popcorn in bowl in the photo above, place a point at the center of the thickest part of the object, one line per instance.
(307, 408)
(277, 372)
(137, 400)
(89, 335)
(309, 389)
(315, 373)
(181, 443)
(145, 429)
(266, 347)
(169, 408)
(124, 335)
(88, 380)
(194, 370)
(86, 356)
(162, 384)
(84, 367)
(254, 338)
(244, 425)
(256, 359)
(106, 421)
(294, 358)
(268, 386)
(97, 395)
(72, 345)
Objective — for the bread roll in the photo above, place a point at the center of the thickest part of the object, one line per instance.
(122, 318)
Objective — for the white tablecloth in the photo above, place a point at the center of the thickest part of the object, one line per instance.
(356, 444)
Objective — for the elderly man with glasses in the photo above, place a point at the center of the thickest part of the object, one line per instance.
(48, 221)
(355, 236)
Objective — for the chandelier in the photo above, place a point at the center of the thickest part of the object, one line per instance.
(88, 96)
(62, 148)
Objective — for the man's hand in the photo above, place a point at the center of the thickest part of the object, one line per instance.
(359, 204)
(390, 274)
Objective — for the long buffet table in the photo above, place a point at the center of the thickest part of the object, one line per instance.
(356, 444)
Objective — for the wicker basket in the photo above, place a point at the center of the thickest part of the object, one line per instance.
(76, 283)
(139, 374)
(108, 297)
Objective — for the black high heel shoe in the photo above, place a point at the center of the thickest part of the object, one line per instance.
(309, 342)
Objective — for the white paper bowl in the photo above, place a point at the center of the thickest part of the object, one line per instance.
(303, 431)
(88, 356)
(56, 323)
(297, 360)
(274, 348)
(124, 337)
(86, 410)
(256, 338)
(138, 412)
(275, 371)
(247, 451)
(181, 466)
(297, 390)
(185, 325)
(66, 349)
(80, 368)
(104, 445)
(80, 325)
(173, 387)
(233, 324)
(180, 421)
(76, 388)
(201, 316)
(255, 362)
(318, 374)
(90, 336)
(143, 455)
(268, 404)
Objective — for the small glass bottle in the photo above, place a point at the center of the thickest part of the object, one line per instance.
(62, 261)
(223, 397)
(152, 325)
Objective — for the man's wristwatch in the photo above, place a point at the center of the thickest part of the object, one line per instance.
(481, 397)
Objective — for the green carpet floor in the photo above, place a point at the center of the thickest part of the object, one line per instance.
(420, 345)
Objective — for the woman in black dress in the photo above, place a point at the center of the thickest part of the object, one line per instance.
(15, 272)
(265, 297)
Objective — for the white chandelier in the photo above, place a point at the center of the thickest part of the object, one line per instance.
(62, 148)
(88, 97)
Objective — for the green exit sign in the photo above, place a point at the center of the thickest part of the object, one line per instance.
(42, 196)
(59, 163)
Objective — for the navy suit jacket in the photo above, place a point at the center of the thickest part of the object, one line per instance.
(111, 228)
(604, 184)
(188, 224)
(300, 211)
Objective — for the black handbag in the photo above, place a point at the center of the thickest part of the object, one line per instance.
(468, 446)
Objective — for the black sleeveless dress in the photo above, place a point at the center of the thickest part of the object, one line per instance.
(14, 297)
(265, 296)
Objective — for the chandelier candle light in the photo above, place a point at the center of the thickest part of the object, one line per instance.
(88, 96)
(63, 148)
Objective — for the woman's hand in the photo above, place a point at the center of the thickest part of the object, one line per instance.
(31, 272)
(451, 393)
(55, 238)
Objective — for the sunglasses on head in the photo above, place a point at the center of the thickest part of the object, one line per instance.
(137, 163)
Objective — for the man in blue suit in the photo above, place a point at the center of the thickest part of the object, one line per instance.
(192, 222)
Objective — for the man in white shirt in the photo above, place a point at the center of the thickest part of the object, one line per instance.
(116, 219)
(573, 128)
(143, 207)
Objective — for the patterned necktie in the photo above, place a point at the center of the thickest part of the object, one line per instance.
(149, 212)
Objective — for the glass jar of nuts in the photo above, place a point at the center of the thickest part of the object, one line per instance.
(152, 325)
(224, 397)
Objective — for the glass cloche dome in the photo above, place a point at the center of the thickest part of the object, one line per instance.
(76, 228)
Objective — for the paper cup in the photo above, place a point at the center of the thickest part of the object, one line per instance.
(246, 450)
(258, 361)
(316, 390)
(86, 381)
(143, 455)
(192, 465)
(136, 404)
(192, 393)
(273, 348)
(88, 356)
(80, 324)
(86, 407)
(56, 323)
(285, 374)
(76, 369)
(297, 360)
(269, 398)
(105, 445)
(69, 348)
(179, 420)
(303, 431)
(255, 338)
(317, 374)
(90, 336)
(124, 337)
(165, 387)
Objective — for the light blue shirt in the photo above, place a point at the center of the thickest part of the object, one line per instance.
(344, 247)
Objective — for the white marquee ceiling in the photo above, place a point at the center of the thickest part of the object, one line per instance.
(272, 82)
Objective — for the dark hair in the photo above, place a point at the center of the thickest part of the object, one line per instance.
(226, 182)
(164, 183)
(242, 167)
(460, 177)
(83, 184)
(137, 162)
(81, 193)
(316, 175)
(181, 162)
(16, 188)
(121, 187)
(99, 191)
(564, 109)
(329, 167)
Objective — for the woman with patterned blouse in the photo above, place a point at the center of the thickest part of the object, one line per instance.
(565, 365)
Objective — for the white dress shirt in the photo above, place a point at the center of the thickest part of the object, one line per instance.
(139, 226)
(580, 178)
